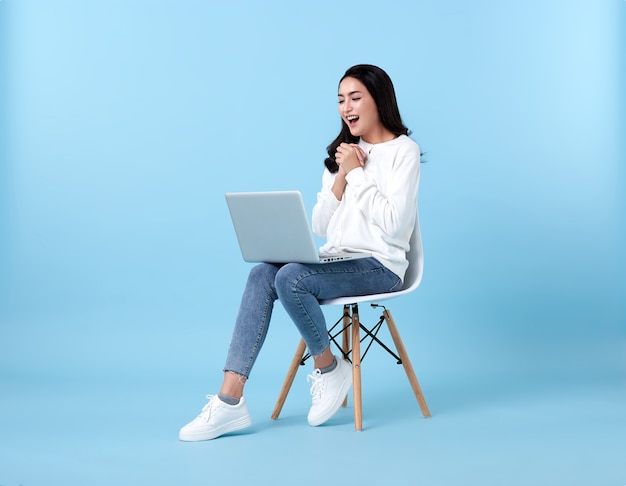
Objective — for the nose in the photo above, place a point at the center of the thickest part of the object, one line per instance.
(346, 107)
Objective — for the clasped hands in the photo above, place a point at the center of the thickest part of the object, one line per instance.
(350, 156)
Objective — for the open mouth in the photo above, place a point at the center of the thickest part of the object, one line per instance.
(352, 119)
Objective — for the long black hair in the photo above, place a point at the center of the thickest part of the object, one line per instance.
(380, 87)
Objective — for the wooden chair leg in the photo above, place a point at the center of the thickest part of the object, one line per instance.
(291, 374)
(408, 368)
(345, 339)
(356, 369)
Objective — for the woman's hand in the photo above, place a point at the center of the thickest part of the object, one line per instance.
(349, 156)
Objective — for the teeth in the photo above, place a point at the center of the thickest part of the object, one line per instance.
(352, 117)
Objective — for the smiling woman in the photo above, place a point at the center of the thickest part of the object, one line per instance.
(367, 204)
(366, 91)
(359, 111)
(122, 124)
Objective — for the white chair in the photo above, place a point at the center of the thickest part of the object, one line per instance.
(350, 319)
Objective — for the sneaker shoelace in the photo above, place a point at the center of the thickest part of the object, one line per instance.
(205, 414)
(317, 388)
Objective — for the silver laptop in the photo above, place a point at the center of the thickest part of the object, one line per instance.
(273, 227)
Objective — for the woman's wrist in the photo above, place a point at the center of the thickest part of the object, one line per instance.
(339, 186)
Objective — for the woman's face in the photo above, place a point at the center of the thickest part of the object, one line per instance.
(358, 110)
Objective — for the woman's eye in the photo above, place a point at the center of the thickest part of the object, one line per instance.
(356, 99)
(340, 101)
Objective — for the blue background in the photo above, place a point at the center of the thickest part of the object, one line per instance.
(124, 123)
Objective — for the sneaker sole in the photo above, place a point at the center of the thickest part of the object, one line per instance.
(224, 429)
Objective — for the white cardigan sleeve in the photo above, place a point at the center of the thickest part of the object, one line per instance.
(395, 209)
(326, 205)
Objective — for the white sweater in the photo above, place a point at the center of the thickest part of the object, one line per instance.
(379, 205)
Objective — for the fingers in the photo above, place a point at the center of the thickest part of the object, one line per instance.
(360, 154)
(351, 154)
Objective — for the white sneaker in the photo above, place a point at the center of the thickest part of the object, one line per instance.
(217, 418)
(328, 391)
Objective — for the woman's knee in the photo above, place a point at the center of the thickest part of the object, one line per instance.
(288, 277)
(263, 274)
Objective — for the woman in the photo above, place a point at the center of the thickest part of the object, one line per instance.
(368, 202)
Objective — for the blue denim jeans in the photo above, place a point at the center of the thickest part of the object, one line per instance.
(299, 286)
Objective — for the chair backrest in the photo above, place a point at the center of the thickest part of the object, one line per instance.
(412, 278)
(415, 256)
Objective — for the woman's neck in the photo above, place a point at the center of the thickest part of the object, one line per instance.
(380, 136)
